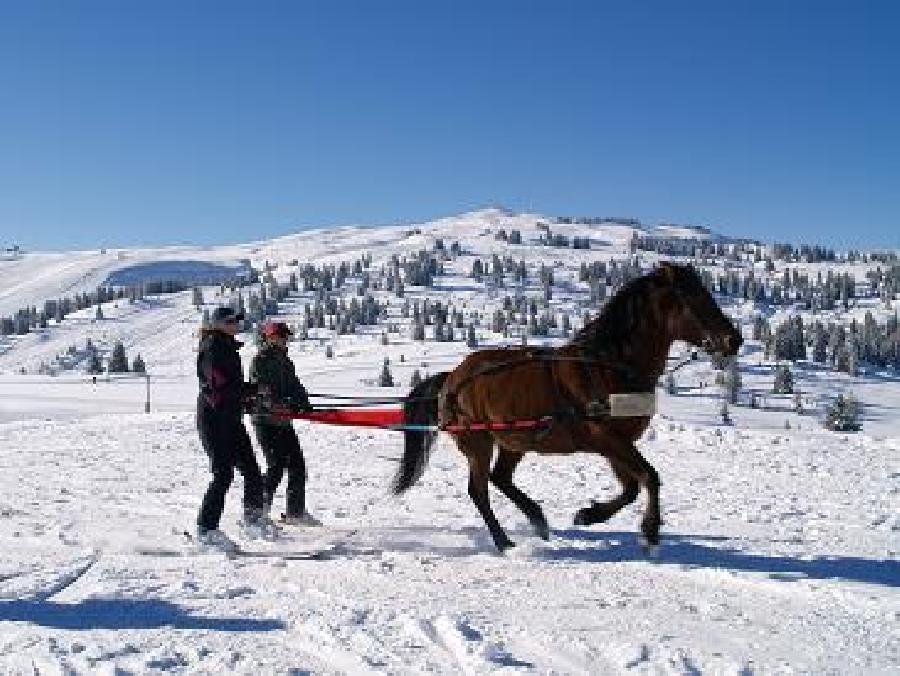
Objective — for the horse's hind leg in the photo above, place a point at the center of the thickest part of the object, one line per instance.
(502, 478)
(600, 512)
(478, 447)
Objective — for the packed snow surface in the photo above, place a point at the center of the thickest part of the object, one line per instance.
(779, 554)
(779, 549)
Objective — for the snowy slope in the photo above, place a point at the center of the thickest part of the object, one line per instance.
(773, 560)
(780, 546)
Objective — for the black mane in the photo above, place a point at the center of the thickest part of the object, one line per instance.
(617, 322)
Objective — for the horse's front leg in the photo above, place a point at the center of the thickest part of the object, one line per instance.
(600, 512)
(652, 520)
(633, 470)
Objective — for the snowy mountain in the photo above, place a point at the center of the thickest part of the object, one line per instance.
(781, 538)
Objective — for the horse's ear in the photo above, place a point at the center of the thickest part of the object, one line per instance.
(667, 272)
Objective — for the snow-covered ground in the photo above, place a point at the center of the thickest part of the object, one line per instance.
(779, 554)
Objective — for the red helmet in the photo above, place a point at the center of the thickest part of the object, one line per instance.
(276, 329)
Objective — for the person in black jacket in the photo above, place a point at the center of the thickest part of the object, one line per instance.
(273, 373)
(220, 407)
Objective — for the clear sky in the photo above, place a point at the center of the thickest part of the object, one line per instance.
(211, 122)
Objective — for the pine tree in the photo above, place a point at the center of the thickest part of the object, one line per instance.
(843, 414)
(784, 380)
(99, 314)
(471, 340)
(138, 365)
(418, 331)
(95, 366)
(118, 361)
(820, 343)
(415, 379)
(724, 414)
(732, 381)
(386, 379)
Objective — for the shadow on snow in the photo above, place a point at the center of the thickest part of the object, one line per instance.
(694, 551)
(598, 546)
(124, 614)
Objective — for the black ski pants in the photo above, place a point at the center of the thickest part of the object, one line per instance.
(228, 446)
(283, 453)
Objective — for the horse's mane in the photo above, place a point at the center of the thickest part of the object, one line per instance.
(617, 322)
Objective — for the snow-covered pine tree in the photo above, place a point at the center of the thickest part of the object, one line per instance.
(724, 412)
(95, 366)
(118, 360)
(732, 381)
(670, 383)
(784, 380)
(386, 379)
(138, 365)
(798, 401)
(843, 414)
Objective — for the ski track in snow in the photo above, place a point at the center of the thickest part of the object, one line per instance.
(760, 570)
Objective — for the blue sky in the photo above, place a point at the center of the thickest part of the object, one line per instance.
(184, 121)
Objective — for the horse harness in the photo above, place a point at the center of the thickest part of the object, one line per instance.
(596, 408)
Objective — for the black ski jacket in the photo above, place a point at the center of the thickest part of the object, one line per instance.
(273, 371)
(222, 387)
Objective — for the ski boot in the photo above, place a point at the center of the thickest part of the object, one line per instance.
(215, 540)
(305, 519)
(256, 525)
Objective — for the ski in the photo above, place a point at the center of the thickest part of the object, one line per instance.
(320, 552)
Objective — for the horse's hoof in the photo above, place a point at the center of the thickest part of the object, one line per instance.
(502, 549)
(542, 530)
(652, 551)
(650, 531)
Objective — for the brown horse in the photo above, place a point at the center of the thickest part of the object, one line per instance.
(624, 350)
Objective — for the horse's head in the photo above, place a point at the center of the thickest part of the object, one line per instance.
(695, 317)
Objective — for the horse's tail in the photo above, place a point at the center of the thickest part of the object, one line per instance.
(420, 407)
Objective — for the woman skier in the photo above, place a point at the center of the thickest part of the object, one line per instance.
(220, 407)
(273, 373)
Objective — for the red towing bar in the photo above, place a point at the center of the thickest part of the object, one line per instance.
(393, 419)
